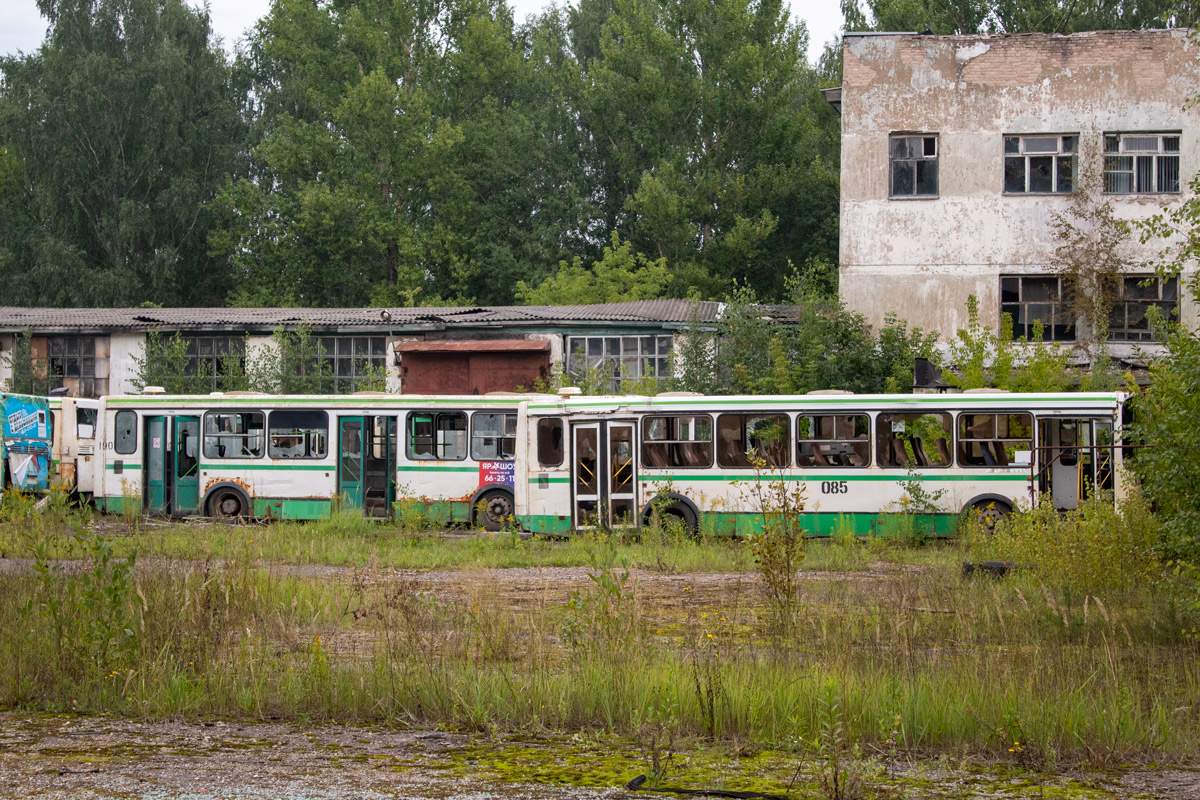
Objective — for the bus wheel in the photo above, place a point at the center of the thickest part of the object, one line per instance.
(226, 504)
(988, 512)
(494, 510)
(677, 514)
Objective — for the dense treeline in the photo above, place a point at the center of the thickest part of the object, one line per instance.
(401, 151)
(392, 152)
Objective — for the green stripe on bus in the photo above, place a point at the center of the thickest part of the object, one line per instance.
(352, 401)
(678, 477)
(403, 468)
(123, 466)
(536, 480)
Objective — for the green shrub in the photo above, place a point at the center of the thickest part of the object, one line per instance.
(1095, 549)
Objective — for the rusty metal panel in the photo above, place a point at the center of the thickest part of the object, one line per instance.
(472, 373)
(472, 345)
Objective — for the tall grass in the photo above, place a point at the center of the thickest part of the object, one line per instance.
(919, 659)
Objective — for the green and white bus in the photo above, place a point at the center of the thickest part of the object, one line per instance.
(558, 463)
(864, 462)
(296, 457)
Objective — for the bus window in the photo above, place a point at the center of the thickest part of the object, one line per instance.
(125, 435)
(494, 437)
(827, 440)
(233, 434)
(682, 441)
(297, 433)
(913, 441)
(995, 440)
(437, 436)
(85, 423)
(742, 437)
(550, 442)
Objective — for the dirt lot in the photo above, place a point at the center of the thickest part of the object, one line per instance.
(92, 757)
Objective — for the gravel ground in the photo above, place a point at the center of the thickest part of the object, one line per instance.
(93, 757)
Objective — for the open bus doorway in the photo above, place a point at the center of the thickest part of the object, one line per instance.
(1075, 459)
(367, 463)
(604, 475)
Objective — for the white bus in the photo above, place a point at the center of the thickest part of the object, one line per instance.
(294, 457)
(860, 459)
(554, 464)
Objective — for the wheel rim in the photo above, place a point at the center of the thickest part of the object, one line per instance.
(228, 504)
(497, 509)
(988, 515)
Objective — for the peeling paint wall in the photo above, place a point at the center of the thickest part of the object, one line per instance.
(6, 347)
(921, 258)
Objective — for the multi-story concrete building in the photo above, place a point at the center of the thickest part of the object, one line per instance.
(958, 152)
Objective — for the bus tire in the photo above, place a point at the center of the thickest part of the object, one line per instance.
(989, 511)
(228, 503)
(678, 510)
(494, 510)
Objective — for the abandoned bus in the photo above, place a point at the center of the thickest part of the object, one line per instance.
(860, 460)
(25, 433)
(295, 457)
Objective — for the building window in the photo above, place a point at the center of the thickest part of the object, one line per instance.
(1039, 164)
(1030, 299)
(1135, 295)
(618, 359)
(1141, 163)
(914, 165)
(358, 362)
(75, 362)
(214, 357)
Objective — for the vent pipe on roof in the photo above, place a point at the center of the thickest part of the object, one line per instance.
(153, 390)
(569, 391)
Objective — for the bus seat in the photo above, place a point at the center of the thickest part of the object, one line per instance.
(944, 451)
(899, 455)
(919, 452)
(1001, 454)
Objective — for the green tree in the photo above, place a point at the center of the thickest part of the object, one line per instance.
(710, 143)
(121, 126)
(1014, 16)
(619, 274)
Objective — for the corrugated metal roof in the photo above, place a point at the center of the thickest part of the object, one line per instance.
(472, 346)
(14, 318)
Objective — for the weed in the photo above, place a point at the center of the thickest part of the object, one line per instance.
(778, 547)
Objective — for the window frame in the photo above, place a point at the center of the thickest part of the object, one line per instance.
(1114, 151)
(918, 451)
(245, 437)
(675, 445)
(305, 432)
(437, 415)
(997, 453)
(1065, 151)
(781, 458)
(595, 351)
(117, 438)
(834, 439)
(221, 348)
(896, 160)
(549, 425)
(1058, 308)
(509, 419)
(348, 367)
(1122, 303)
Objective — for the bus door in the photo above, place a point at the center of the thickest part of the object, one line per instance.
(186, 472)
(1075, 459)
(351, 437)
(158, 458)
(367, 463)
(379, 465)
(172, 471)
(604, 475)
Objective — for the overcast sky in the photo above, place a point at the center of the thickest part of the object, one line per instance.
(22, 28)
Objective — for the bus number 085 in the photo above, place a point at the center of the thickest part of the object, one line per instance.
(835, 487)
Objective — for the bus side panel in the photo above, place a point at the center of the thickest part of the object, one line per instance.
(27, 435)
